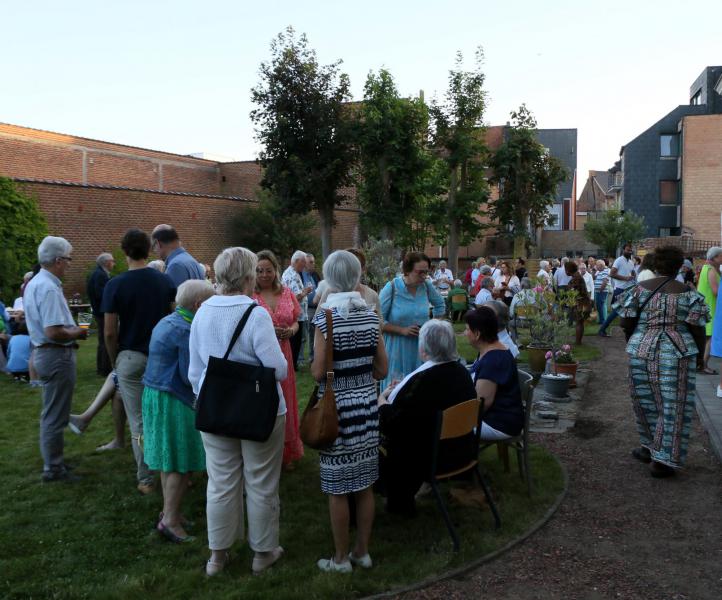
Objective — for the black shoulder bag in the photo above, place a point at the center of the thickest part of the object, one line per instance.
(238, 400)
(632, 322)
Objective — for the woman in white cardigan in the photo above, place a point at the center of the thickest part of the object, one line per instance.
(236, 465)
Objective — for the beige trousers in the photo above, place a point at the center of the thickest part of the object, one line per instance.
(234, 465)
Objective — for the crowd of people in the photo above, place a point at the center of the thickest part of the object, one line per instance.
(395, 365)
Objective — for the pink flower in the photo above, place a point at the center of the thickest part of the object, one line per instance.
(548, 355)
(566, 347)
(538, 289)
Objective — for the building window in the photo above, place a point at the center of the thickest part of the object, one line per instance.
(669, 231)
(669, 145)
(668, 192)
(696, 99)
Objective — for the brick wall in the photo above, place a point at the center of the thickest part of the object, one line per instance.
(94, 219)
(702, 176)
(35, 154)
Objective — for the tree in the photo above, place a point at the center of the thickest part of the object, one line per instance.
(22, 228)
(527, 177)
(458, 137)
(268, 226)
(304, 128)
(613, 228)
(395, 164)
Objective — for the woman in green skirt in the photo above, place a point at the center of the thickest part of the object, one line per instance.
(172, 445)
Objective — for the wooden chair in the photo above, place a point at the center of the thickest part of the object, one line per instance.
(456, 422)
(520, 443)
(458, 305)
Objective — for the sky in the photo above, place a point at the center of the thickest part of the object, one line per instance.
(176, 76)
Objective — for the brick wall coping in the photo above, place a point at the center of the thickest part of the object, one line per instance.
(75, 140)
(130, 189)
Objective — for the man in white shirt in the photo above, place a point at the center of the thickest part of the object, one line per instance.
(484, 294)
(495, 270)
(443, 278)
(588, 279)
(561, 279)
(624, 276)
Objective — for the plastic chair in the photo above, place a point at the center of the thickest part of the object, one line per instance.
(520, 442)
(456, 422)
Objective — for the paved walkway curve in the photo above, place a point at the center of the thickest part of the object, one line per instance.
(620, 533)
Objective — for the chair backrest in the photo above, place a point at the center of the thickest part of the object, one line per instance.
(460, 419)
(526, 386)
(459, 299)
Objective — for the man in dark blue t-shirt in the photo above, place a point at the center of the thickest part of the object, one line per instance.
(133, 304)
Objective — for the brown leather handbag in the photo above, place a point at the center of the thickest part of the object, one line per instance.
(319, 423)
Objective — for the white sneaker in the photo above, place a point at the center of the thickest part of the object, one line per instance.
(361, 561)
(76, 425)
(330, 566)
(719, 391)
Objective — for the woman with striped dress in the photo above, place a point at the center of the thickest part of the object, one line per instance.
(350, 464)
(662, 350)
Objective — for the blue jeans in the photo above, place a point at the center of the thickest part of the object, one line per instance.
(613, 314)
(600, 302)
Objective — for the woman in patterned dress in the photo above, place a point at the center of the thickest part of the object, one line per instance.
(350, 464)
(663, 351)
(281, 304)
(405, 303)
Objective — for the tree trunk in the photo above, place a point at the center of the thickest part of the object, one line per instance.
(385, 176)
(453, 242)
(520, 237)
(326, 215)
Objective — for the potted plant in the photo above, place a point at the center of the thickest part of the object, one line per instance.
(563, 362)
(545, 315)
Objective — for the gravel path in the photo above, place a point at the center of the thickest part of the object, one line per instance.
(619, 533)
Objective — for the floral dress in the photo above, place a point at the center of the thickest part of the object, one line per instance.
(662, 372)
(286, 314)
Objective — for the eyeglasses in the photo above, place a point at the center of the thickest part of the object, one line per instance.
(64, 258)
(421, 271)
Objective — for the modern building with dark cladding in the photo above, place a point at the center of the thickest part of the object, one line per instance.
(562, 144)
(651, 162)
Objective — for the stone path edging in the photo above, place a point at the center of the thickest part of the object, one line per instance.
(474, 564)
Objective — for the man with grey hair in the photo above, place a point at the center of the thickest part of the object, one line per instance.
(484, 295)
(53, 333)
(95, 286)
(561, 279)
(502, 315)
(180, 266)
(293, 280)
(544, 274)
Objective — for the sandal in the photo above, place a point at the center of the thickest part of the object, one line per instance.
(213, 568)
(707, 371)
(172, 537)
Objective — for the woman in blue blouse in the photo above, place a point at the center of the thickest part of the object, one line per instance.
(495, 377)
(172, 445)
(405, 303)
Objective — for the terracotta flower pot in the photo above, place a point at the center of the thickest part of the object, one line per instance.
(570, 369)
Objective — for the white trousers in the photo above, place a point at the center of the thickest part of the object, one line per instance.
(234, 465)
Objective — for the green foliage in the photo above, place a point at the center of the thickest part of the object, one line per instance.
(305, 133)
(22, 228)
(527, 177)
(396, 180)
(458, 138)
(613, 228)
(382, 261)
(269, 226)
(546, 315)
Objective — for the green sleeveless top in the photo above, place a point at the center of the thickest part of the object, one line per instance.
(704, 288)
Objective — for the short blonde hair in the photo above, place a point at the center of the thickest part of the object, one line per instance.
(235, 268)
(192, 291)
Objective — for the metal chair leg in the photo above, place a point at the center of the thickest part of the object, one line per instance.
(529, 482)
(489, 500)
(445, 514)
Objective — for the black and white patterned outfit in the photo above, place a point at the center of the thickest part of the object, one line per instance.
(350, 464)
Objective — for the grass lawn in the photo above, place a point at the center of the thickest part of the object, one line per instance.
(96, 539)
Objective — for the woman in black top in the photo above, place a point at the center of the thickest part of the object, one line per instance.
(407, 417)
(495, 377)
